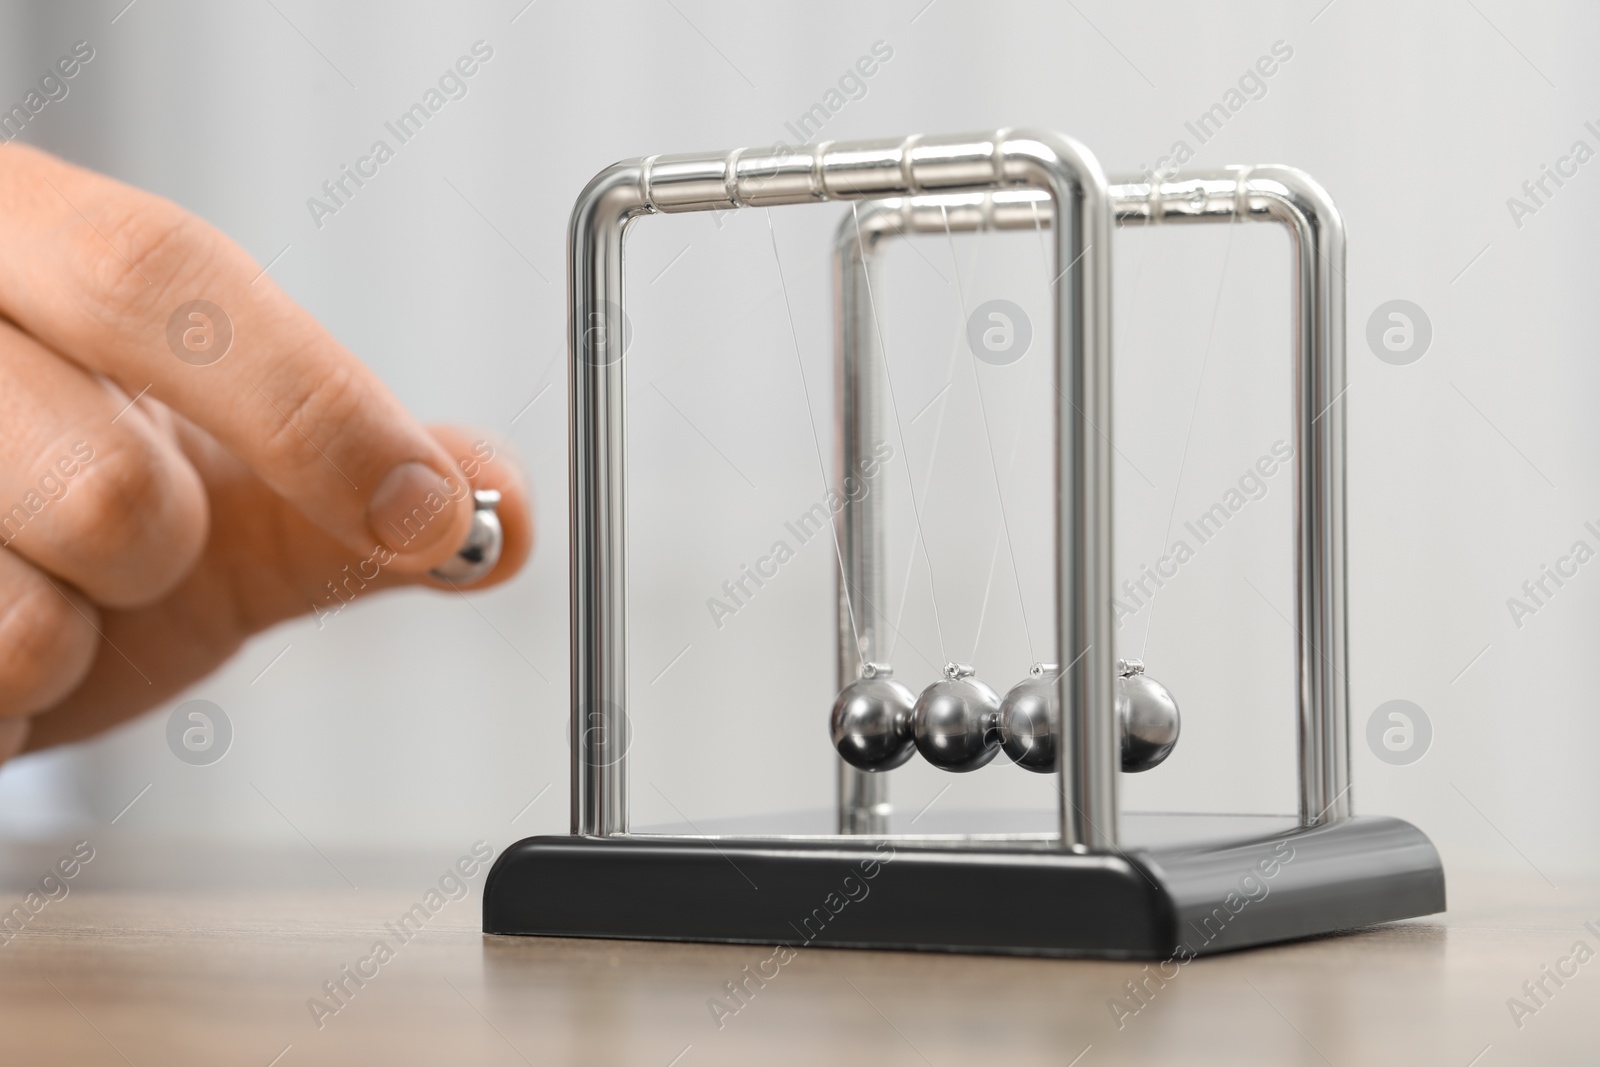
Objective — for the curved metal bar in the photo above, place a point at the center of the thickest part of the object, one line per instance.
(1076, 187)
(1264, 193)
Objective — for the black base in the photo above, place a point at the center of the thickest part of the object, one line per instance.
(1009, 897)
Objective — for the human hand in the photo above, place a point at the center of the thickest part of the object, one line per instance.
(159, 504)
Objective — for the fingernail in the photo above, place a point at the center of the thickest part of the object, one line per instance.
(411, 509)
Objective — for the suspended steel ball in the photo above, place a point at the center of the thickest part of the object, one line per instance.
(1148, 716)
(1147, 719)
(871, 721)
(1027, 735)
(955, 721)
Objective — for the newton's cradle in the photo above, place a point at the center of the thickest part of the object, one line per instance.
(1105, 884)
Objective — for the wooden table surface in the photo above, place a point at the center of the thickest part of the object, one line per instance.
(219, 977)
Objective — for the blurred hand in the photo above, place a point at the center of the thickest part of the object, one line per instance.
(172, 479)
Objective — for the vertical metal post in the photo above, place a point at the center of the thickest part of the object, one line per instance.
(864, 806)
(1086, 694)
(596, 336)
(1323, 663)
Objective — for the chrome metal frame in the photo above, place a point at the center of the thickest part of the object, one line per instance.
(1070, 179)
(1263, 193)
(1074, 893)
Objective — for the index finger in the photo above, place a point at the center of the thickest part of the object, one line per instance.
(132, 286)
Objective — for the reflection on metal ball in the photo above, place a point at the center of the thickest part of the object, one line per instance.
(871, 721)
(955, 721)
(481, 551)
(1148, 716)
(1026, 733)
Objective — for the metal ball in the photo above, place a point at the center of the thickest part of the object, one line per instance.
(1027, 735)
(955, 721)
(871, 721)
(1149, 718)
(481, 550)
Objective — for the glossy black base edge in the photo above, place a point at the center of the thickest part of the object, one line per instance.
(1003, 899)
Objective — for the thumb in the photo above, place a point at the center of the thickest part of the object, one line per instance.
(316, 573)
(264, 562)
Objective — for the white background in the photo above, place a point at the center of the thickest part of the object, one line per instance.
(423, 721)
